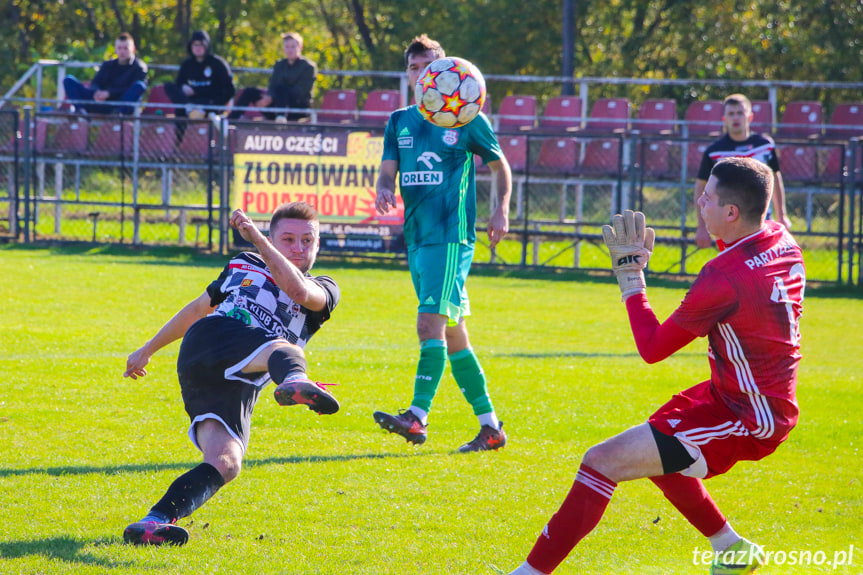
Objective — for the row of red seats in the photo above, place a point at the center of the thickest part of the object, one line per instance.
(659, 116)
(658, 159)
(113, 138)
(338, 106)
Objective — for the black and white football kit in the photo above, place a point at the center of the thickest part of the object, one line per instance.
(251, 312)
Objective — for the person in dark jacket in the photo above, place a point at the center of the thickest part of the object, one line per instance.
(123, 79)
(204, 79)
(291, 84)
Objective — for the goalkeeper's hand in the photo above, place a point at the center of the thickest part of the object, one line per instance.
(630, 244)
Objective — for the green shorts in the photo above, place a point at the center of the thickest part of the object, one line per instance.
(439, 272)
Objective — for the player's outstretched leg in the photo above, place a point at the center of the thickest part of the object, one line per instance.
(405, 423)
(488, 439)
(742, 558)
(152, 531)
(287, 367)
(302, 391)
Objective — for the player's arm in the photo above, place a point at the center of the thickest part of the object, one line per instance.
(286, 275)
(780, 214)
(498, 224)
(174, 329)
(654, 341)
(702, 236)
(386, 186)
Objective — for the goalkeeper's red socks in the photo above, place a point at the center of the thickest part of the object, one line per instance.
(689, 496)
(578, 515)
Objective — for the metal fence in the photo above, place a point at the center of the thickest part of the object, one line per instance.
(153, 180)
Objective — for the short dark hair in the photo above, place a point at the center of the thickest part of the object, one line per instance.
(126, 37)
(294, 211)
(737, 100)
(421, 45)
(746, 183)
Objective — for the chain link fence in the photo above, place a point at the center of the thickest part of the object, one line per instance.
(154, 179)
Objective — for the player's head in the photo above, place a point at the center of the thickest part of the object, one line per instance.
(292, 45)
(124, 47)
(738, 188)
(421, 52)
(294, 233)
(736, 115)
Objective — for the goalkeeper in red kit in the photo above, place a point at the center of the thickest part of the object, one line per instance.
(747, 301)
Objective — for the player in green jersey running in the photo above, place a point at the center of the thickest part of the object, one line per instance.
(437, 183)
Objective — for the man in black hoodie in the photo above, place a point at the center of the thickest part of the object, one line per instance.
(123, 79)
(204, 79)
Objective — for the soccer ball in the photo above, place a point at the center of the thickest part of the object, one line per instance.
(450, 92)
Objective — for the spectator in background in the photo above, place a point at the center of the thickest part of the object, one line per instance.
(123, 79)
(204, 79)
(739, 141)
(291, 84)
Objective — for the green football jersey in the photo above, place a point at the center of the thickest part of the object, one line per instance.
(436, 175)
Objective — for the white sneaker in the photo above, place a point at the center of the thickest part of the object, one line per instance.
(214, 117)
(281, 119)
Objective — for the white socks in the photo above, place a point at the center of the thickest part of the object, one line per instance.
(724, 538)
(489, 419)
(423, 415)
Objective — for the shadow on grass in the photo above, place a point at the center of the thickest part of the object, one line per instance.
(183, 466)
(65, 549)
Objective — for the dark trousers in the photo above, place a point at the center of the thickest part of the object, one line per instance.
(176, 95)
(75, 90)
(281, 99)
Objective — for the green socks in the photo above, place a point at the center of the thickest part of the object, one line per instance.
(471, 380)
(429, 372)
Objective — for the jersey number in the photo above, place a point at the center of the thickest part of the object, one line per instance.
(780, 295)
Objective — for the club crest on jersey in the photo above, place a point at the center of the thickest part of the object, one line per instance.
(246, 283)
(208, 72)
(450, 137)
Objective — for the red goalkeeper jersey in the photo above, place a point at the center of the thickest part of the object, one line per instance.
(748, 301)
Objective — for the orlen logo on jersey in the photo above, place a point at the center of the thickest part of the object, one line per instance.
(422, 178)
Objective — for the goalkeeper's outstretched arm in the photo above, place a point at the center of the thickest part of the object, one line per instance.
(654, 341)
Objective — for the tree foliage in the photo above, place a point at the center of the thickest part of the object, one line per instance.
(739, 39)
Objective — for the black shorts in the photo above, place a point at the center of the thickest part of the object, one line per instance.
(213, 352)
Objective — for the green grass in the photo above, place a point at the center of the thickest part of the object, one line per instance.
(83, 451)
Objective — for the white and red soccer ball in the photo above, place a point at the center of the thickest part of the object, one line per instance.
(450, 92)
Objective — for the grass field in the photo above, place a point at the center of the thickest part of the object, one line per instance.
(83, 452)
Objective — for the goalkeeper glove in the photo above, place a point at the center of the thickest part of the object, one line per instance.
(630, 244)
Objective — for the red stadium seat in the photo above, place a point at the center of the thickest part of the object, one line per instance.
(762, 117)
(601, 158)
(378, 106)
(158, 96)
(338, 106)
(798, 163)
(157, 140)
(558, 156)
(196, 141)
(515, 151)
(562, 113)
(846, 115)
(517, 113)
(655, 158)
(114, 138)
(71, 136)
(694, 153)
(805, 119)
(657, 117)
(609, 116)
(704, 118)
(833, 166)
